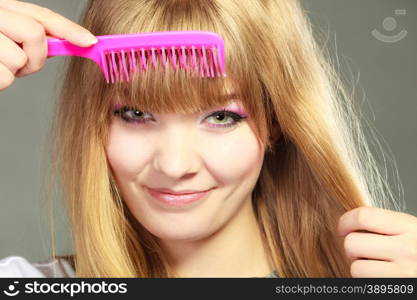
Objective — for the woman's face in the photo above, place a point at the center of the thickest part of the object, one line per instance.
(203, 151)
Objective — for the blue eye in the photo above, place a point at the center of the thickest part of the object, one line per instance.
(222, 119)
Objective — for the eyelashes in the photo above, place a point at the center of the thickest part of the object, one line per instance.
(218, 119)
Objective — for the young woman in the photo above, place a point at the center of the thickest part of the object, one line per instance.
(274, 153)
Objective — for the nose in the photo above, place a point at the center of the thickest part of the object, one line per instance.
(176, 155)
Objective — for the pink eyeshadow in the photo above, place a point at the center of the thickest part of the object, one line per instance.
(238, 109)
(233, 107)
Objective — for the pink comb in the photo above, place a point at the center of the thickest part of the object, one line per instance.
(119, 56)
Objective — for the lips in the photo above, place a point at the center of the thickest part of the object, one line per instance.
(182, 192)
(176, 198)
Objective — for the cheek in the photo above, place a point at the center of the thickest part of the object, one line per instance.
(233, 156)
(127, 151)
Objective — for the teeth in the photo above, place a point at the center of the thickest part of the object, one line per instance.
(183, 58)
(124, 65)
(132, 61)
(202, 61)
(143, 59)
(153, 57)
(173, 58)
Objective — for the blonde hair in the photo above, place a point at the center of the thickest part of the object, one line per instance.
(319, 167)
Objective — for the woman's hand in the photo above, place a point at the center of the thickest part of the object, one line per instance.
(386, 244)
(24, 28)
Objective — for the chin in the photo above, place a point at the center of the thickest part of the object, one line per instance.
(180, 232)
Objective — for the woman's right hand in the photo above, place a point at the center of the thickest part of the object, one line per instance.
(24, 28)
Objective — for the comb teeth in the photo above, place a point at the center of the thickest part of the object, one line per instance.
(121, 65)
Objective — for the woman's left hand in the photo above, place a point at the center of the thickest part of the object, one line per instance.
(386, 244)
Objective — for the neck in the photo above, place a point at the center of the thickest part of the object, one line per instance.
(234, 250)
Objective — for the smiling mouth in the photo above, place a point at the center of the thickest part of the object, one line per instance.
(173, 198)
(182, 192)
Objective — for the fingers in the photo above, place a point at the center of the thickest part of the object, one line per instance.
(37, 50)
(24, 28)
(54, 23)
(371, 246)
(11, 56)
(363, 268)
(33, 42)
(6, 78)
(376, 220)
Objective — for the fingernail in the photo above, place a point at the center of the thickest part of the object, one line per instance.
(90, 39)
(93, 41)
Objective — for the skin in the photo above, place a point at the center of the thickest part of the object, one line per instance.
(386, 239)
(219, 236)
(30, 25)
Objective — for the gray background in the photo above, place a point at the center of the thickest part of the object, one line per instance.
(382, 75)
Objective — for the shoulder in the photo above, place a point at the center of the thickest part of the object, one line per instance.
(18, 266)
